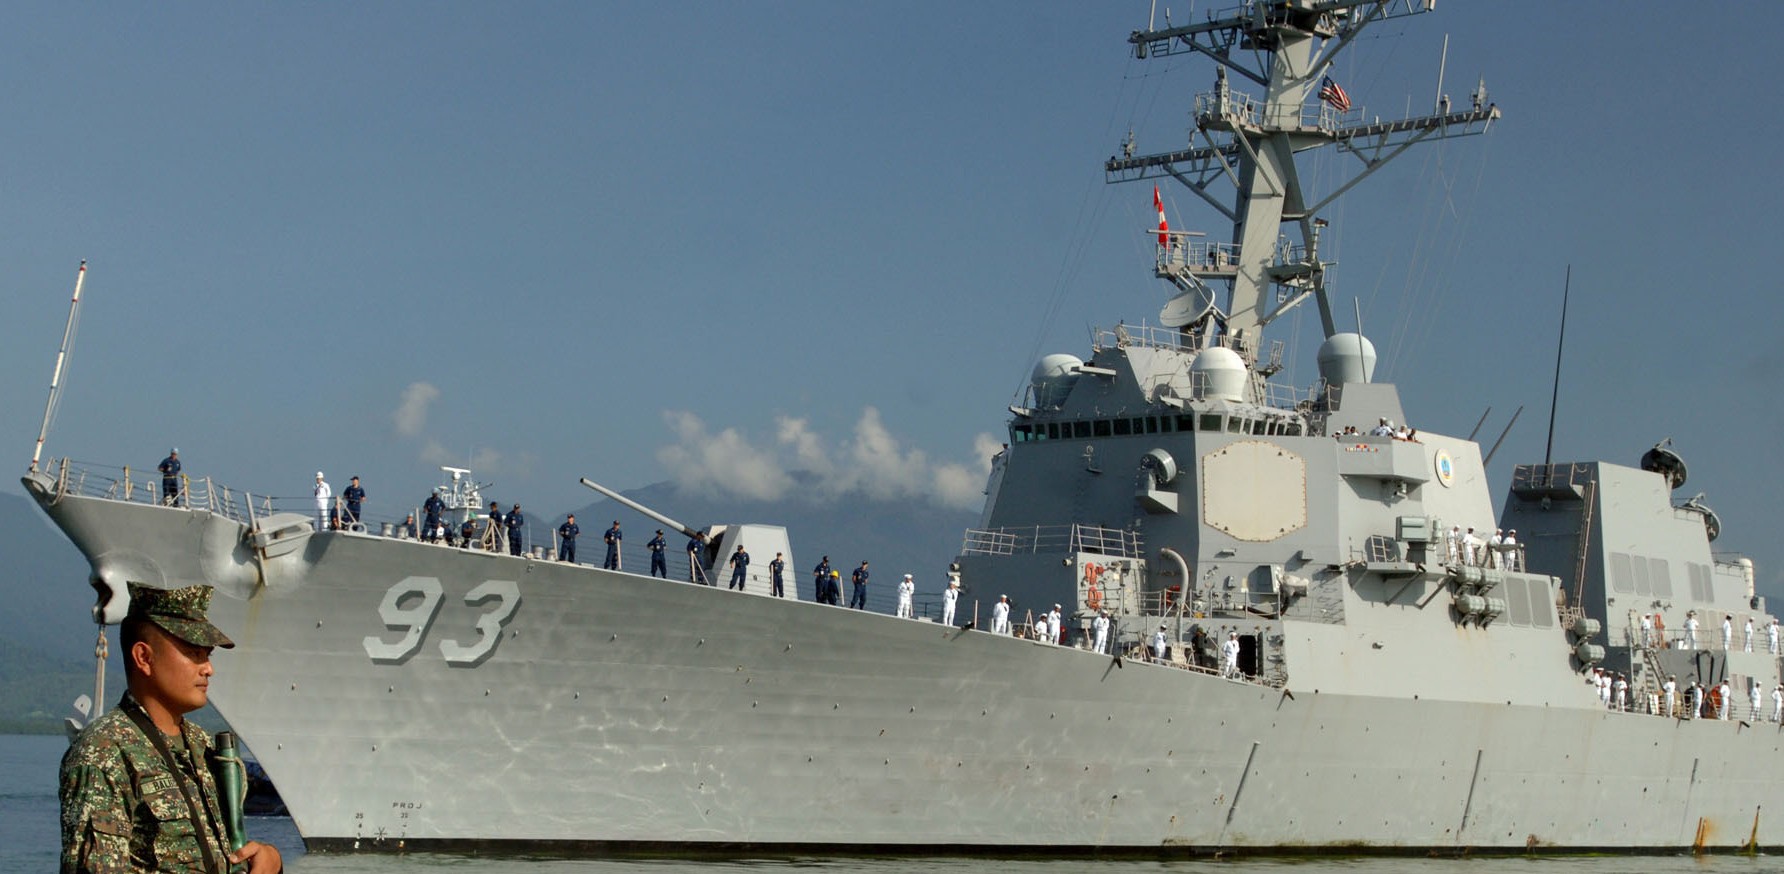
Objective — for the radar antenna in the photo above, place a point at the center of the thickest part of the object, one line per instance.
(1251, 144)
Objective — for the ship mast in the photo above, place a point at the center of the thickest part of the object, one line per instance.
(1251, 144)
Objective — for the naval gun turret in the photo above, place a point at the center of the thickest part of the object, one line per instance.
(720, 541)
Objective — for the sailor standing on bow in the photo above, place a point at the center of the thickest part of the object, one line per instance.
(1099, 628)
(950, 596)
(324, 503)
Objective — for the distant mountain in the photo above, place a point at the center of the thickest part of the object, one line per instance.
(895, 537)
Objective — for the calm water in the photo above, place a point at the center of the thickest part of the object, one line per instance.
(29, 842)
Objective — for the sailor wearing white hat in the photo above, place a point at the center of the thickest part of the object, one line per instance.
(906, 588)
(1099, 627)
(324, 502)
(950, 596)
(1229, 655)
(1158, 643)
(1000, 615)
(1056, 634)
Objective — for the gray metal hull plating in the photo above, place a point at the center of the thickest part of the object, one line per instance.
(615, 710)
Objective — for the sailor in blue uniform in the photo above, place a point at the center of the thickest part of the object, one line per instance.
(567, 539)
(740, 563)
(858, 598)
(493, 534)
(774, 576)
(170, 478)
(659, 563)
(613, 537)
(515, 523)
(696, 545)
(467, 533)
(431, 511)
(820, 580)
(354, 496)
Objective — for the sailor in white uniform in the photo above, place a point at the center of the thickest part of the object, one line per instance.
(1158, 644)
(1229, 655)
(1771, 637)
(324, 497)
(1493, 544)
(1669, 696)
(1452, 544)
(1755, 693)
(1055, 628)
(1723, 705)
(1647, 630)
(1099, 629)
(1747, 641)
(950, 596)
(1620, 694)
(1691, 629)
(1040, 629)
(1510, 550)
(1000, 615)
(1470, 548)
(1778, 703)
(906, 589)
(1727, 633)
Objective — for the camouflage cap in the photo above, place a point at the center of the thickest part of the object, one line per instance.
(179, 612)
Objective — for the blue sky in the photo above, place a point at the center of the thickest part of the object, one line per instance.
(718, 242)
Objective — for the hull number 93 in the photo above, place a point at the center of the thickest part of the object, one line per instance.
(412, 604)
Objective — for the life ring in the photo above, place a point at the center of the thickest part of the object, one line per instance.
(1091, 572)
(1093, 598)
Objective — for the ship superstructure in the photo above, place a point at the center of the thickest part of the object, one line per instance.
(1353, 660)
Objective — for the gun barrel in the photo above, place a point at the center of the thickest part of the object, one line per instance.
(639, 507)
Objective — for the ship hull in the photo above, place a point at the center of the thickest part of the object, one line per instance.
(515, 704)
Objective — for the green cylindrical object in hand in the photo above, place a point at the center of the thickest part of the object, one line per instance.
(232, 786)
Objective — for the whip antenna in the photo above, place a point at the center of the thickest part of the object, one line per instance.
(49, 408)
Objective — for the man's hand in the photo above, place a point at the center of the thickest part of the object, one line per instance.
(261, 858)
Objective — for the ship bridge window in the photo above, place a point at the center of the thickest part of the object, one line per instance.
(1123, 428)
(1099, 428)
(1210, 422)
(1159, 424)
(1235, 425)
(1293, 429)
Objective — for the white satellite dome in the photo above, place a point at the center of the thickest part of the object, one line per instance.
(1219, 374)
(1053, 378)
(1347, 357)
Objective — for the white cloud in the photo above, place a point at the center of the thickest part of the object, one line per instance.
(873, 462)
(411, 414)
(726, 462)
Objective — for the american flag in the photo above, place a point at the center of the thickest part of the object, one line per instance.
(1333, 93)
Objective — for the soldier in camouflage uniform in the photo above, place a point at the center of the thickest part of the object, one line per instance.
(136, 792)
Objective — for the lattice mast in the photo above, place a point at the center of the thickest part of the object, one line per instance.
(1251, 144)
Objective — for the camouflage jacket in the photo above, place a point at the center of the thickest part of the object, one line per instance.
(122, 809)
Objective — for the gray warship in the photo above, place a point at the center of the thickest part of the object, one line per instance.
(1316, 642)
